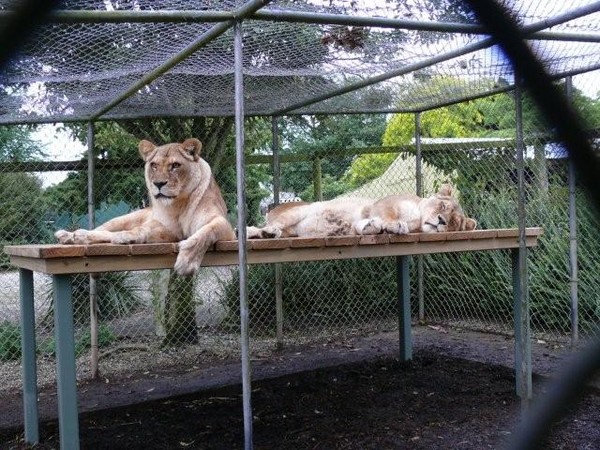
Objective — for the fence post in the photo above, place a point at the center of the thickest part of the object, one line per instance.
(419, 191)
(520, 282)
(277, 268)
(243, 266)
(91, 162)
(573, 270)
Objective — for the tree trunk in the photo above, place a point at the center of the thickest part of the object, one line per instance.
(180, 312)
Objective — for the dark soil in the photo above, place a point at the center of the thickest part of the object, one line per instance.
(435, 401)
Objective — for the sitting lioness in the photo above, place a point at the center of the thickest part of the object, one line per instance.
(186, 207)
(397, 214)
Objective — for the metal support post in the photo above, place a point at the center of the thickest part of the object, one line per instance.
(66, 378)
(91, 160)
(28, 351)
(242, 249)
(520, 285)
(419, 192)
(277, 266)
(573, 270)
(403, 283)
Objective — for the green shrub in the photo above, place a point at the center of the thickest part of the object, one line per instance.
(317, 293)
(10, 341)
(118, 296)
(83, 341)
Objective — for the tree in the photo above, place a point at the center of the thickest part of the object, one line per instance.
(318, 136)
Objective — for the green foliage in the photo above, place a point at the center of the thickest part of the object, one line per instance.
(327, 292)
(320, 135)
(16, 144)
(118, 296)
(10, 341)
(83, 341)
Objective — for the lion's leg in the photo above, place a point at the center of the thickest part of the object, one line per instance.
(192, 249)
(133, 228)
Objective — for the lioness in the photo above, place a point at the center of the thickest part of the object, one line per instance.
(408, 213)
(186, 207)
(336, 217)
(397, 214)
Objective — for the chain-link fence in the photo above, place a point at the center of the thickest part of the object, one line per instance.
(150, 319)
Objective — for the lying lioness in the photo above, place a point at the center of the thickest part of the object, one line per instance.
(186, 207)
(408, 213)
(397, 214)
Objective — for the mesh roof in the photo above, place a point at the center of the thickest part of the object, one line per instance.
(374, 55)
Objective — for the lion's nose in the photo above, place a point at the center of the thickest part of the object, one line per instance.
(441, 221)
(159, 184)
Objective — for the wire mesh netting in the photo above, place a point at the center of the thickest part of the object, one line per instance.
(89, 55)
(413, 57)
(150, 319)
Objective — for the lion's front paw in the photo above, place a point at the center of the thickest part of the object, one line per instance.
(271, 232)
(397, 227)
(189, 258)
(368, 226)
(64, 237)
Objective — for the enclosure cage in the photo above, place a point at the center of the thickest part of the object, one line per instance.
(337, 98)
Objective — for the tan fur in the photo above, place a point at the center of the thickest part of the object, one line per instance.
(186, 207)
(329, 218)
(438, 213)
(397, 214)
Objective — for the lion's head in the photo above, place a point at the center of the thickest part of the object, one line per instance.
(171, 170)
(442, 212)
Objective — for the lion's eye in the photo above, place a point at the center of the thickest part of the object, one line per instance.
(175, 165)
(153, 166)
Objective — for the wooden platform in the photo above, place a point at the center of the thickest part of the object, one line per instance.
(65, 259)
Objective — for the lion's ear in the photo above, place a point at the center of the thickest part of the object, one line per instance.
(146, 148)
(192, 147)
(470, 224)
(446, 190)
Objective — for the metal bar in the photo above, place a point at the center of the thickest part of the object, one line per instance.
(573, 269)
(277, 267)
(65, 363)
(196, 16)
(28, 352)
(469, 48)
(403, 282)
(419, 192)
(242, 244)
(204, 39)
(521, 299)
(508, 88)
(91, 161)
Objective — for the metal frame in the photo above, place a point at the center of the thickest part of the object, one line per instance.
(227, 20)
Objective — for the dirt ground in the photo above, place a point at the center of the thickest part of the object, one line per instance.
(457, 393)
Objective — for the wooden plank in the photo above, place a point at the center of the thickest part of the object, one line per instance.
(226, 246)
(268, 244)
(432, 237)
(375, 239)
(153, 249)
(508, 232)
(341, 241)
(398, 238)
(45, 250)
(475, 234)
(61, 259)
(106, 249)
(307, 242)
